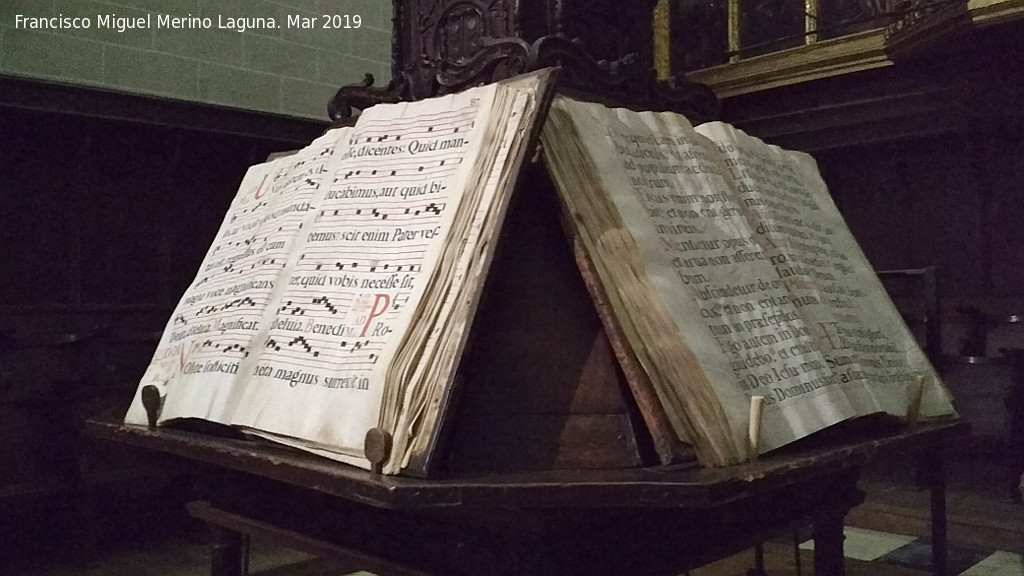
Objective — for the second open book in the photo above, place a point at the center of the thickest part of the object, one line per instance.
(340, 290)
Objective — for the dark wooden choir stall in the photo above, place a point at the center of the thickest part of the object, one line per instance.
(554, 459)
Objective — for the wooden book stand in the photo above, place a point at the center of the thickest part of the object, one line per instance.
(554, 457)
(548, 462)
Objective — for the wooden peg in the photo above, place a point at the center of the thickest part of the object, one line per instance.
(538, 153)
(152, 402)
(754, 430)
(377, 448)
(914, 392)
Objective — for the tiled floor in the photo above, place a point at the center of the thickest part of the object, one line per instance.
(868, 545)
(869, 552)
(998, 564)
(916, 553)
(174, 557)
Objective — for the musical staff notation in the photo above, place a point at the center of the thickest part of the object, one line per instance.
(383, 212)
(223, 348)
(400, 301)
(236, 303)
(352, 276)
(251, 240)
(252, 209)
(369, 266)
(340, 355)
(291, 308)
(354, 346)
(240, 270)
(326, 303)
(418, 166)
(433, 124)
(239, 302)
(300, 340)
(335, 258)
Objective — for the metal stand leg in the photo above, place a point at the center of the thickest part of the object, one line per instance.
(933, 475)
(758, 569)
(796, 553)
(828, 546)
(230, 553)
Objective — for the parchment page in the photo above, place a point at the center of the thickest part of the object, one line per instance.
(432, 366)
(723, 295)
(350, 294)
(211, 331)
(856, 327)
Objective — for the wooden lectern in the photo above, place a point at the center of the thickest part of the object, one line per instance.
(554, 457)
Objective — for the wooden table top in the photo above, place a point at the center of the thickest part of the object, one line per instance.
(648, 487)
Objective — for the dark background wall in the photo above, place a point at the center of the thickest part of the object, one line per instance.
(286, 70)
(108, 203)
(118, 157)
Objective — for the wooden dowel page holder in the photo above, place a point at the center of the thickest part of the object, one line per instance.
(377, 448)
(754, 430)
(914, 392)
(152, 402)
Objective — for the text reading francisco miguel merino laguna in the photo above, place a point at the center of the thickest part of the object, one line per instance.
(241, 24)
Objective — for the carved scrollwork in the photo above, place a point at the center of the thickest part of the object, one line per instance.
(621, 81)
(918, 25)
(695, 101)
(603, 48)
(458, 33)
(495, 59)
(580, 69)
(361, 96)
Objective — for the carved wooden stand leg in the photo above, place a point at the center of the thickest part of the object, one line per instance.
(932, 474)
(828, 546)
(758, 569)
(230, 553)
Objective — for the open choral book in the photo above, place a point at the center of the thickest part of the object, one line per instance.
(341, 287)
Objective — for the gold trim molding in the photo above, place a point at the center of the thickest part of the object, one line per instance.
(861, 51)
(987, 12)
(822, 59)
(662, 40)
